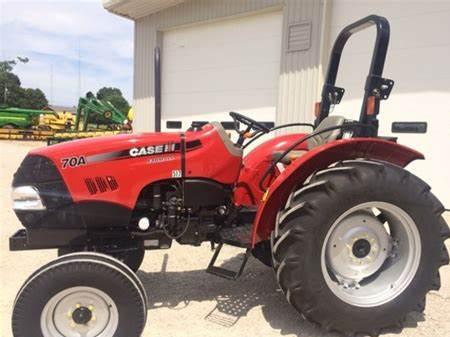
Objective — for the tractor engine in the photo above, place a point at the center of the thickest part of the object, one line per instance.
(183, 211)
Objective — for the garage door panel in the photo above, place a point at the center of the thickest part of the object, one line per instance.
(223, 35)
(183, 58)
(213, 68)
(226, 78)
(227, 31)
(204, 103)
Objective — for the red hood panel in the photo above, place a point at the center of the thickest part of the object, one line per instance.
(116, 168)
(91, 146)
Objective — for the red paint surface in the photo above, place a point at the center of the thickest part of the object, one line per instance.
(212, 160)
(255, 164)
(319, 158)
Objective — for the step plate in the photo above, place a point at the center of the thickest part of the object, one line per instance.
(226, 273)
(240, 236)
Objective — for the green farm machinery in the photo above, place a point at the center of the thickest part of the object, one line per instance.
(93, 118)
(95, 114)
(15, 118)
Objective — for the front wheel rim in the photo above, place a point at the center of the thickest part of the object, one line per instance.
(371, 254)
(80, 312)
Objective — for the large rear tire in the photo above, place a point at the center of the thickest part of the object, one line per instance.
(80, 295)
(358, 247)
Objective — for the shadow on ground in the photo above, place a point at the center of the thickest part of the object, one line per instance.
(234, 299)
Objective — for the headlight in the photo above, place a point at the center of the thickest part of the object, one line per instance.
(27, 198)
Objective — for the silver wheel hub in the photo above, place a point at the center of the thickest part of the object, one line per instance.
(80, 312)
(371, 254)
(358, 247)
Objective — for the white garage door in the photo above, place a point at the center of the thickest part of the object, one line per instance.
(211, 69)
(418, 63)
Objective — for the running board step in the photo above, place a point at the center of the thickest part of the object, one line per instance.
(239, 236)
(226, 273)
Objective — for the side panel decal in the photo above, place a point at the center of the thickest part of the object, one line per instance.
(72, 162)
(146, 151)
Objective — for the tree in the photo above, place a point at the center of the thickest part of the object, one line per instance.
(12, 93)
(34, 99)
(7, 66)
(9, 83)
(114, 95)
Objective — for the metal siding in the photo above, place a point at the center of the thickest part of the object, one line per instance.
(299, 73)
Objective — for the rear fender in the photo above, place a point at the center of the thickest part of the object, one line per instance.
(320, 158)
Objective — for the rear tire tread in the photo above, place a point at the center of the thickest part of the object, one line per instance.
(322, 182)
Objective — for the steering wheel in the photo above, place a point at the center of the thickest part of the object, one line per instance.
(250, 123)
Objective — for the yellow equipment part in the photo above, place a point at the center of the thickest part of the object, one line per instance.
(130, 115)
(86, 134)
(53, 137)
(57, 121)
(16, 134)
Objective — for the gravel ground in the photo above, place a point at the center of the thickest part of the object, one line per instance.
(183, 298)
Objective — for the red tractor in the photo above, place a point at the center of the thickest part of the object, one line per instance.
(355, 240)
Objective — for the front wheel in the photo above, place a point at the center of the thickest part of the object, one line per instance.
(358, 247)
(80, 295)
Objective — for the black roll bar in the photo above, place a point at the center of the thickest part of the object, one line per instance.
(376, 86)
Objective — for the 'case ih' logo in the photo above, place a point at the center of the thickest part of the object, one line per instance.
(152, 150)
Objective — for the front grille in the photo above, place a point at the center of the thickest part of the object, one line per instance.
(40, 172)
(35, 169)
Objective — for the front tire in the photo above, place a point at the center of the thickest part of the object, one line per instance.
(82, 295)
(358, 247)
(131, 256)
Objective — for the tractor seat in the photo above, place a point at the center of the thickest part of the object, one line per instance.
(315, 141)
(329, 136)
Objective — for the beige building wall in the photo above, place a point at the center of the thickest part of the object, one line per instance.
(299, 71)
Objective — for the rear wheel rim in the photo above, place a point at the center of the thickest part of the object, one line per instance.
(80, 312)
(371, 254)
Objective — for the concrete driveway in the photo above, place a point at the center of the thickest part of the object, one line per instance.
(184, 300)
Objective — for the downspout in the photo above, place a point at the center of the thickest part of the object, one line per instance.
(325, 32)
(157, 89)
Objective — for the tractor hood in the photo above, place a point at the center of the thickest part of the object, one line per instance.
(91, 182)
(97, 182)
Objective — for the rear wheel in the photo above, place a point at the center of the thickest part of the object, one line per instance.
(358, 247)
(81, 295)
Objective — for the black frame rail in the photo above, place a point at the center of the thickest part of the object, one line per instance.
(376, 88)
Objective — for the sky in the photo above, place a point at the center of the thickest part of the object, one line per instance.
(62, 36)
